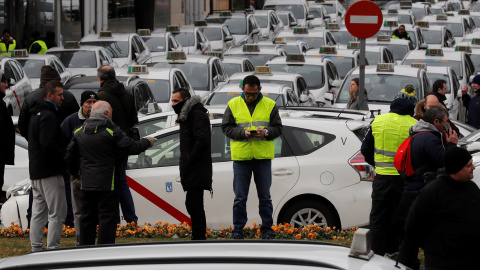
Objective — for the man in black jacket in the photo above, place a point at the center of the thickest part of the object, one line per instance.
(100, 145)
(195, 156)
(125, 117)
(440, 219)
(46, 151)
(7, 136)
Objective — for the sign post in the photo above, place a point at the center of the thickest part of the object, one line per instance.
(363, 20)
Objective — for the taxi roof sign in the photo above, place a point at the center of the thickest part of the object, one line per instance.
(200, 23)
(476, 41)
(319, 1)
(173, 28)
(264, 70)
(464, 12)
(251, 48)
(442, 17)
(385, 67)
(20, 53)
(393, 23)
(176, 55)
(430, 1)
(144, 32)
(328, 49)
(383, 38)
(71, 45)
(331, 26)
(419, 65)
(392, 11)
(105, 34)
(405, 4)
(450, 14)
(137, 69)
(424, 24)
(353, 45)
(434, 52)
(295, 57)
(463, 48)
(280, 40)
(226, 13)
(300, 30)
(218, 54)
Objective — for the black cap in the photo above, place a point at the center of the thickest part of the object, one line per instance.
(402, 106)
(455, 159)
(87, 95)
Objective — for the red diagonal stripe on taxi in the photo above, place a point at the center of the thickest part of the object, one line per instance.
(158, 201)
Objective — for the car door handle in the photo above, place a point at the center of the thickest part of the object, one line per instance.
(282, 172)
(178, 179)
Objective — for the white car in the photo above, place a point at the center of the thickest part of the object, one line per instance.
(334, 9)
(315, 38)
(219, 36)
(299, 8)
(378, 54)
(459, 26)
(192, 39)
(159, 43)
(234, 64)
(243, 27)
(287, 18)
(258, 54)
(32, 65)
(340, 33)
(414, 31)
(270, 24)
(125, 49)
(403, 16)
(18, 84)
(288, 45)
(319, 13)
(437, 35)
(215, 255)
(344, 58)
(398, 47)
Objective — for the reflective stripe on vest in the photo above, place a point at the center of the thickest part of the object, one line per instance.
(258, 148)
(389, 131)
(11, 47)
(42, 44)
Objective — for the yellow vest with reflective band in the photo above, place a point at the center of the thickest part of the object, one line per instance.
(389, 131)
(258, 148)
(395, 36)
(11, 47)
(42, 44)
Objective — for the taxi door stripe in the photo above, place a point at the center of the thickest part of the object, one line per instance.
(147, 194)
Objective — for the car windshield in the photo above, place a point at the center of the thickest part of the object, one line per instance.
(373, 57)
(291, 48)
(262, 20)
(402, 18)
(313, 42)
(116, 49)
(257, 59)
(186, 39)
(379, 87)
(316, 12)
(399, 51)
(76, 59)
(342, 37)
(212, 33)
(455, 65)
(221, 98)
(232, 68)
(236, 26)
(196, 73)
(343, 64)
(284, 19)
(160, 89)
(433, 37)
(436, 11)
(32, 67)
(432, 77)
(418, 13)
(330, 8)
(455, 28)
(313, 74)
(155, 44)
(297, 10)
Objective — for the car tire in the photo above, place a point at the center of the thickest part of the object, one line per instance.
(310, 212)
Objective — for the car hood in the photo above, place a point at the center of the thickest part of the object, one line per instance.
(216, 45)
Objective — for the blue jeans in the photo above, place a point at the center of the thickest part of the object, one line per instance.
(262, 175)
(126, 200)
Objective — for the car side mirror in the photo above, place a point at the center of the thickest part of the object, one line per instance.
(153, 108)
(136, 56)
(328, 97)
(228, 38)
(293, 24)
(423, 46)
(303, 98)
(310, 17)
(326, 17)
(255, 31)
(336, 83)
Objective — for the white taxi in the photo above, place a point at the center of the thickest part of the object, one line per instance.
(288, 45)
(82, 59)
(32, 65)
(398, 47)
(204, 72)
(313, 37)
(319, 13)
(192, 39)
(403, 16)
(256, 53)
(335, 9)
(378, 54)
(234, 64)
(344, 59)
(340, 33)
(162, 82)
(159, 43)
(298, 8)
(270, 24)
(18, 84)
(218, 34)
(288, 19)
(457, 25)
(437, 35)
(415, 33)
(125, 49)
(243, 27)
(383, 83)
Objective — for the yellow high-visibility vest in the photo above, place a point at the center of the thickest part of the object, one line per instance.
(42, 44)
(11, 47)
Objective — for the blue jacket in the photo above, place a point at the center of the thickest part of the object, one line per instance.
(70, 123)
(474, 111)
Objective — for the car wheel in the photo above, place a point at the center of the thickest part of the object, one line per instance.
(310, 212)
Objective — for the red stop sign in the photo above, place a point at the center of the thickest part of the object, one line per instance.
(363, 19)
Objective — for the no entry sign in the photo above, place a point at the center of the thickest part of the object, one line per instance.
(363, 19)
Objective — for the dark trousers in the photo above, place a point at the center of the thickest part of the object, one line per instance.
(195, 208)
(386, 194)
(126, 200)
(3, 194)
(101, 206)
(68, 195)
(409, 246)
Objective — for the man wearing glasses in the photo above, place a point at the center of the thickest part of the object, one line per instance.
(252, 122)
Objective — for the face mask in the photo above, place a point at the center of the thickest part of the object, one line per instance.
(178, 107)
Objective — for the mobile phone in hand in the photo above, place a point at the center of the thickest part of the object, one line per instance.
(253, 131)
(447, 128)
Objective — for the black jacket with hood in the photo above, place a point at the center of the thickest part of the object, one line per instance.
(100, 145)
(195, 145)
(7, 135)
(122, 102)
(46, 148)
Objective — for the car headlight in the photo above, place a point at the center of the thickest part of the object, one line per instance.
(19, 190)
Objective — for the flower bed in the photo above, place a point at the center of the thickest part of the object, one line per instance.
(183, 231)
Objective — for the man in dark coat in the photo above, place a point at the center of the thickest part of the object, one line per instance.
(401, 33)
(125, 117)
(50, 39)
(195, 156)
(46, 151)
(100, 145)
(7, 137)
(444, 218)
(69, 125)
(473, 103)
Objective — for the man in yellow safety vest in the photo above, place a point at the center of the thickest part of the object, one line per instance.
(7, 43)
(38, 46)
(252, 122)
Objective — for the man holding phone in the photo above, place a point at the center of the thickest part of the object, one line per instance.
(252, 122)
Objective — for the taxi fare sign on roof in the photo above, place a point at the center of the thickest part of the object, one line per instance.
(363, 19)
